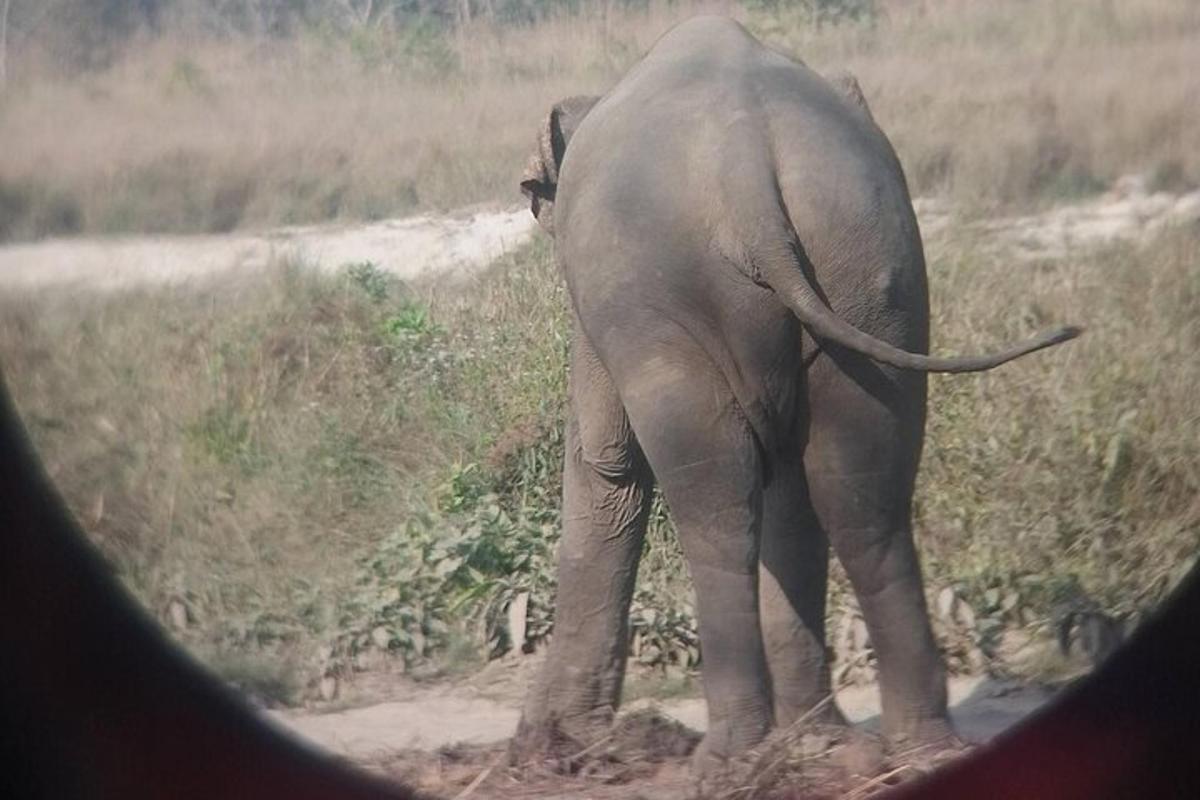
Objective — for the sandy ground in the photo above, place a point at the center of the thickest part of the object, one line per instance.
(462, 714)
(1128, 213)
(468, 241)
(407, 248)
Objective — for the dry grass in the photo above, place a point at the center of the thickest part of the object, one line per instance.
(209, 135)
(218, 448)
(995, 104)
(243, 450)
(1082, 464)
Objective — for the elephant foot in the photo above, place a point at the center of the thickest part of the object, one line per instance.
(927, 745)
(855, 754)
(598, 742)
(731, 738)
(707, 762)
(559, 741)
(714, 765)
(714, 772)
(813, 759)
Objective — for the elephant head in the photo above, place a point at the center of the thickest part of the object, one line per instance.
(540, 179)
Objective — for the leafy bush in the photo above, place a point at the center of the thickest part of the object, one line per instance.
(444, 572)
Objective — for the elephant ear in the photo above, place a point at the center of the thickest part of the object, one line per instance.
(539, 182)
(847, 86)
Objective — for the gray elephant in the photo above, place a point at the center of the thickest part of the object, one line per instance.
(750, 321)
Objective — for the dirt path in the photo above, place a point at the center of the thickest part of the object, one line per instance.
(1128, 213)
(404, 247)
(470, 240)
(447, 715)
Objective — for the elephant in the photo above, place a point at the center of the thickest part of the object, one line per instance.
(750, 327)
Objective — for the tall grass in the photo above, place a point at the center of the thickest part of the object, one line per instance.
(994, 104)
(999, 104)
(1082, 464)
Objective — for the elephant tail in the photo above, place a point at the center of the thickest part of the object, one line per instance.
(789, 282)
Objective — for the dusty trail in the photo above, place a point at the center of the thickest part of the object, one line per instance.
(1129, 213)
(434, 717)
(406, 248)
(468, 241)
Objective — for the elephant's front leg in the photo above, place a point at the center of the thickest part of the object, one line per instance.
(606, 493)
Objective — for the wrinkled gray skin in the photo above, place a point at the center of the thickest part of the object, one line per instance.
(750, 306)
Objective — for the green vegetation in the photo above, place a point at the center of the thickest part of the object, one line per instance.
(319, 469)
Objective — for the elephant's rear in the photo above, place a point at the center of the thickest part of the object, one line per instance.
(713, 139)
(710, 149)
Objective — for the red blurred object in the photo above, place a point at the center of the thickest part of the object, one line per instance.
(1130, 730)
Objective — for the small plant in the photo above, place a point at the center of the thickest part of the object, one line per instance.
(368, 277)
(411, 321)
(463, 490)
(225, 434)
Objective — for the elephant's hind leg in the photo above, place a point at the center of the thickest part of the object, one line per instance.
(709, 466)
(606, 493)
(863, 447)
(792, 588)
